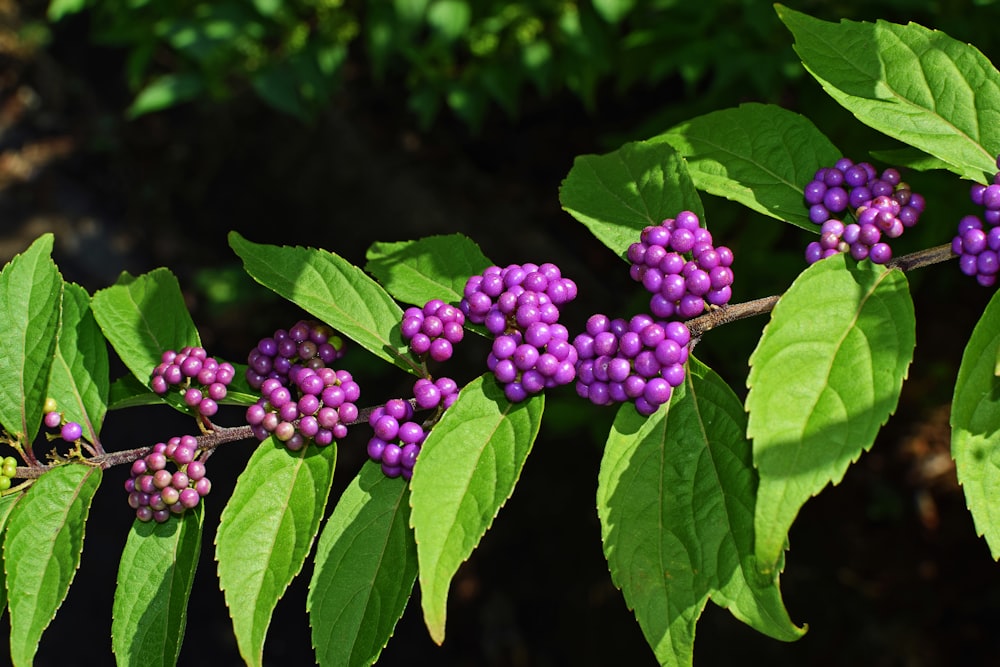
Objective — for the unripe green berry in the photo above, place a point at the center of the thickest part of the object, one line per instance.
(4, 483)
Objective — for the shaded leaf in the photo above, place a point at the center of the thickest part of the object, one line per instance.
(675, 498)
(365, 566)
(617, 194)
(916, 85)
(759, 155)
(824, 378)
(975, 425)
(434, 267)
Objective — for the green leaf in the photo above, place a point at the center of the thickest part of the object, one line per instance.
(30, 287)
(449, 18)
(166, 91)
(917, 85)
(910, 158)
(759, 155)
(617, 194)
(675, 497)
(613, 11)
(142, 317)
(333, 290)
(365, 566)
(79, 376)
(7, 505)
(825, 376)
(435, 267)
(266, 531)
(41, 551)
(155, 575)
(60, 8)
(466, 470)
(975, 422)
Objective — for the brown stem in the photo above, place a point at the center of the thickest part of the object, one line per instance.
(218, 435)
(740, 311)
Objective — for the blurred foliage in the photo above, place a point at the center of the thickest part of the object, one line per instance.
(461, 55)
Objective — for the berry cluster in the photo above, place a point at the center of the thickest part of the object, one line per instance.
(519, 305)
(512, 298)
(8, 470)
(882, 207)
(676, 262)
(202, 379)
(525, 363)
(316, 405)
(69, 431)
(639, 360)
(977, 244)
(307, 343)
(155, 492)
(397, 438)
(433, 330)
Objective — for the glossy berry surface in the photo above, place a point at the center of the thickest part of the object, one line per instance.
(678, 264)
(156, 492)
(859, 211)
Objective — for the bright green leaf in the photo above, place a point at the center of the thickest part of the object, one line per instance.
(759, 155)
(266, 531)
(614, 11)
(30, 293)
(365, 566)
(449, 18)
(155, 575)
(617, 194)
(142, 317)
(824, 378)
(41, 551)
(435, 267)
(975, 425)
(917, 85)
(166, 91)
(60, 8)
(466, 470)
(675, 498)
(79, 377)
(333, 290)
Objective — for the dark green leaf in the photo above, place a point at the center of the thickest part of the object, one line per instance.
(155, 575)
(266, 531)
(365, 566)
(466, 470)
(825, 376)
(7, 504)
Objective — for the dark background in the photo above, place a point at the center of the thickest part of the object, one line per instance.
(885, 568)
